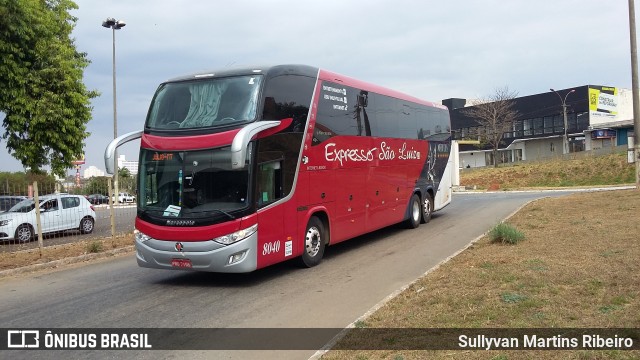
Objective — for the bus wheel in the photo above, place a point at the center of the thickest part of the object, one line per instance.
(427, 208)
(415, 212)
(314, 242)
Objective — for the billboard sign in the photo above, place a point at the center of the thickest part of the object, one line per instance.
(603, 104)
(79, 161)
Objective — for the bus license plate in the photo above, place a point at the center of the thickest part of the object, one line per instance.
(181, 263)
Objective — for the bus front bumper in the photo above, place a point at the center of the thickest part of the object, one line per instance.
(239, 257)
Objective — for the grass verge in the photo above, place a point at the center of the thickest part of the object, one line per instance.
(610, 169)
(578, 268)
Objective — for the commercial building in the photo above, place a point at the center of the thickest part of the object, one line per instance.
(131, 165)
(92, 171)
(597, 117)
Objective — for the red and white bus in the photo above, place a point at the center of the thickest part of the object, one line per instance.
(240, 169)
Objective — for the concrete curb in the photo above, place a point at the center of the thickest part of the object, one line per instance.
(569, 189)
(66, 261)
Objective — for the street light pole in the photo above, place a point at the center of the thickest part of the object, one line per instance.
(565, 139)
(634, 90)
(114, 25)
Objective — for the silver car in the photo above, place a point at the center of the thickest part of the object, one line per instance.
(58, 212)
(7, 202)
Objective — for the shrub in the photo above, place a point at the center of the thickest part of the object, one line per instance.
(94, 247)
(506, 234)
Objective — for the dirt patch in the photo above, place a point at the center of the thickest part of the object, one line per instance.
(17, 259)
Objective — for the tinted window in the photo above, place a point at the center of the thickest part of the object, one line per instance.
(401, 119)
(437, 123)
(70, 202)
(338, 112)
(288, 96)
(385, 113)
(285, 96)
(343, 110)
(281, 152)
(583, 121)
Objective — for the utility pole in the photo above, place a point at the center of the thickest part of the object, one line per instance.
(565, 138)
(634, 89)
(114, 25)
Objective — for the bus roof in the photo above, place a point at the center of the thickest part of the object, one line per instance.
(267, 70)
(296, 69)
(363, 85)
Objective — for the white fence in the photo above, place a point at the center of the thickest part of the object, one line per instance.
(44, 214)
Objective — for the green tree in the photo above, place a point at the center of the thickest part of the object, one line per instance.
(124, 173)
(127, 180)
(97, 185)
(45, 103)
(17, 183)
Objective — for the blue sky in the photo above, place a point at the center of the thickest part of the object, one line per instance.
(430, 49)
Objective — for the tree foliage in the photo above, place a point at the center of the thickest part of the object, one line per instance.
(495, 114)
(124, 173)
(17, 183)
(97, 185)
(45, 103)
(127, 180)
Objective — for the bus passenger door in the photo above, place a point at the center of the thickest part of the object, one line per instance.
(272, 247)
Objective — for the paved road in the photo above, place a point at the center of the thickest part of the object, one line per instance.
(353, 278)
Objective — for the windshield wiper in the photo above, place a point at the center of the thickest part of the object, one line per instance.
(188, 211)
(210, 210)
(155, 210)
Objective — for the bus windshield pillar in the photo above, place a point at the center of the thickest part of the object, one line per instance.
(242, 138)
(116, 143)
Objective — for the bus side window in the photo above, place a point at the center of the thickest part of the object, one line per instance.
(269, 182)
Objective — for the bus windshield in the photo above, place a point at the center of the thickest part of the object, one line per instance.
(191, 185)
(202, 103)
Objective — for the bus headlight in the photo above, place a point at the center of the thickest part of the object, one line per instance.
(237, 236)
(141, 236)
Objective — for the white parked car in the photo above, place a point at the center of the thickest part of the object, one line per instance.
(126, 198)
(58, 212)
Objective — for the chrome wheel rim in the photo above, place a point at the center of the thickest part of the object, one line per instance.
(24, 234)
(312, 241)
(87, 225)
(427, 208)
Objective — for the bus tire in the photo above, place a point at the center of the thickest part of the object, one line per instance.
(314, 243)
(427, 208)
(415, 212)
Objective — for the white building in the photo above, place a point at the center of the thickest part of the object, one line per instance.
(131, 165)
(92, 171)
